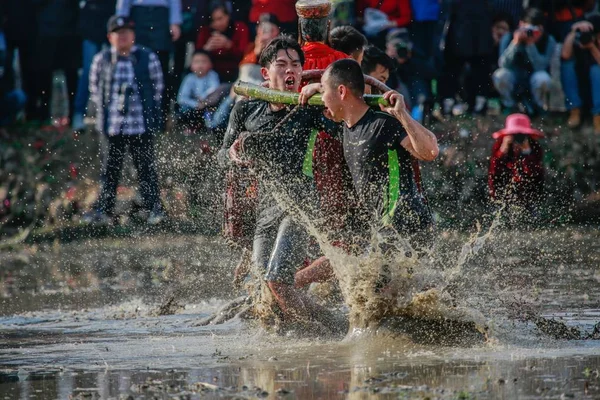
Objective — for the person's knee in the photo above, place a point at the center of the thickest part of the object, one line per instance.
(503, 79)
(595, 73)
(540, 80)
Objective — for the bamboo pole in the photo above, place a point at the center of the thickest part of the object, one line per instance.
(277, 96)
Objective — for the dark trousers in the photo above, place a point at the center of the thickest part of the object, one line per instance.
(26, 48)
(477, 81)
(141, 148)
(54, 53)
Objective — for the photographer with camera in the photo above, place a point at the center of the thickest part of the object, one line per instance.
(524, 63)
(413, 71)
(581, 61)
(516, 171)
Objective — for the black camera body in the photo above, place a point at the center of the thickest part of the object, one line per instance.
(402, 49)
(583, 38)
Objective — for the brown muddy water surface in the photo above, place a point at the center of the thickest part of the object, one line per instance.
(79, 320)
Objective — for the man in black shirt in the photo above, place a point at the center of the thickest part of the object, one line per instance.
(378, 148)
(275, 140)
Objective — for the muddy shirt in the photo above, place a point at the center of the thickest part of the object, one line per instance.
(382, 171)
(248, 116)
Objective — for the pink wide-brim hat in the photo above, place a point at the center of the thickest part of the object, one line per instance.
(518, 124)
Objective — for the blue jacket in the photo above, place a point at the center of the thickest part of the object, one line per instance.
(425, 10)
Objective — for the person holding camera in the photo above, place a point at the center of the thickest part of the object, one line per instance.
(516, 171)
(524, 63)
(581, 61)
(126, 84)
(413, 70)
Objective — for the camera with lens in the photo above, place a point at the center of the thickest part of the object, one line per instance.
(519, 138)
(583, 38)
(402, 49)
(531, 31)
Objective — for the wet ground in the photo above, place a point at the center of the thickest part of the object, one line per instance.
(80, 320)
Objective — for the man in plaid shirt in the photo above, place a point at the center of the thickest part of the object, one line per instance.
(126, 84)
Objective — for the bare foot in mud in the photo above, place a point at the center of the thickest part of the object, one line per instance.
(300, 309)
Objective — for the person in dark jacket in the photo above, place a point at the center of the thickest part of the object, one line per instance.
(126, 84)
(57, 46)
(20, 32)
(92, 27)
(468, 41)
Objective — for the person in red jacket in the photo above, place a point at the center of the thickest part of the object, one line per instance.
(225, 40)
(376, 17)
(282, 9)
(516, 173)
(328, 158)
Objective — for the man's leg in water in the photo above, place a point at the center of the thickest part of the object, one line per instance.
(267, 225)
(319, 270)
(289, 252)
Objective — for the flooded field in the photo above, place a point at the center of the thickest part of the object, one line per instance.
(82, 320)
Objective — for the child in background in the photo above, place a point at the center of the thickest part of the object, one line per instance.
(516, 173)
(196, 90)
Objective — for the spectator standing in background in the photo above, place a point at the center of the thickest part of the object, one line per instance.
(424, 29)
(12, 101)
(413, 70)
(524, 62)
(348, 40)
(226, 41)
(512, 8)
(20, 26)
(126, 84)
(157, 25)
(93, 18)
(194, 13)
(57, 46)
(580, 70)
(283, 10)
(468, 41)
(377, 17)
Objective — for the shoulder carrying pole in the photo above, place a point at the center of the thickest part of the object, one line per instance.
(280, 97)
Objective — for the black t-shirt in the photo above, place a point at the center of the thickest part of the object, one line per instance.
(382, 169)
(279, 149)
(249, 116)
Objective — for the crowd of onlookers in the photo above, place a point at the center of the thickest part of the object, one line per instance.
(457, 53)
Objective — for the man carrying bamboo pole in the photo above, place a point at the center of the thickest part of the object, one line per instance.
(378, 148)
(275, 139)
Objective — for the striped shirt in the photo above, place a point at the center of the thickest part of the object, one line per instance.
(125, 110)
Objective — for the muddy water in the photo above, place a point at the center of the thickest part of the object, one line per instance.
(79, 320)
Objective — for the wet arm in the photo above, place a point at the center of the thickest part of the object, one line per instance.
(420, 142)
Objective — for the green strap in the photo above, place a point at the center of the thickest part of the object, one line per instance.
(392, 194)
(307, 167)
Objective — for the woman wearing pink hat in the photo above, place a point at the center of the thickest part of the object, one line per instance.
(516, 173)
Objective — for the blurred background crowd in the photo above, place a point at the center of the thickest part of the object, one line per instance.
(451, 56)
